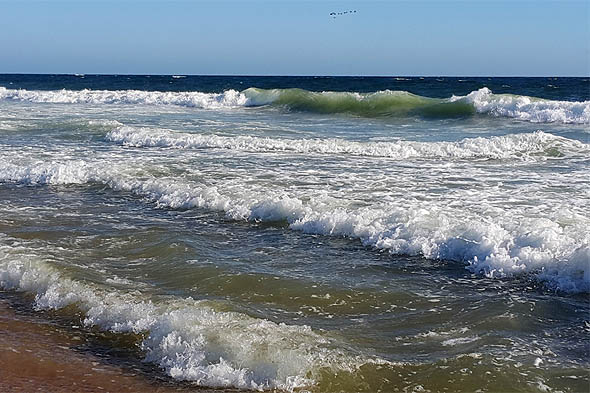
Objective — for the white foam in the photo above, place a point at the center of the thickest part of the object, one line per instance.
(189, 339)
(553, 248)
(451, 342)
(227, 99)
(528, 108)
(514, 146)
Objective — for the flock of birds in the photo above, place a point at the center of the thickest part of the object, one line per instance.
(334, 14)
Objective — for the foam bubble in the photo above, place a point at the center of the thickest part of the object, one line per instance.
(451, 342)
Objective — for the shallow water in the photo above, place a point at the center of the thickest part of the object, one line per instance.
(329, 247)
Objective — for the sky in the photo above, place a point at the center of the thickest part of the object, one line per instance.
(427, 38)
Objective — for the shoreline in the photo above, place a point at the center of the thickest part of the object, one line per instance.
(40, 353)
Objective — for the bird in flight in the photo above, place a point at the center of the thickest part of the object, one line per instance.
(335, 14)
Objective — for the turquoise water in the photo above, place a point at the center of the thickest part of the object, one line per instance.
(327, 234)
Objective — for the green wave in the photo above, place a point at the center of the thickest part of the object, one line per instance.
(380, 104)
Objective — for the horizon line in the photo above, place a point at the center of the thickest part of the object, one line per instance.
(300, 75)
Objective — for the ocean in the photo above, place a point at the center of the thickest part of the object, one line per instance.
(322, 234)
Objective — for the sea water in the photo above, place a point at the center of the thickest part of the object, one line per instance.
(309, 233)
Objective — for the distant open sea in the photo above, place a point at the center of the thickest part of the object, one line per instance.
(323, 234)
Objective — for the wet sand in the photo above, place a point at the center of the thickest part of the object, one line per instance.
(40, 353)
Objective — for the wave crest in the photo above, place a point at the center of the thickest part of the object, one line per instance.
(378, 104)
(403, 103)
(385, 103)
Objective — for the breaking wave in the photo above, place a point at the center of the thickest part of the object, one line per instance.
(514, 146)
(531, 109)
(385, 103)
(227, 99)
(403, 103)
(554, 250)
(378, 104)
(187, 338)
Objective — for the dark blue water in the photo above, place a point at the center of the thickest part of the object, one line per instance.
(570, 89)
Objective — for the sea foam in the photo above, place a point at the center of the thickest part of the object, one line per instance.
(528, 108)
(553, 249)
(227, 99)
(535, 145)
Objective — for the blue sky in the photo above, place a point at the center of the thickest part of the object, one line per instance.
(497, 38)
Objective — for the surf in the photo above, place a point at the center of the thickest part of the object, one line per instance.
(551, 249)
(380, 104)
(189, 339)
(526, 147)
(390, 103)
